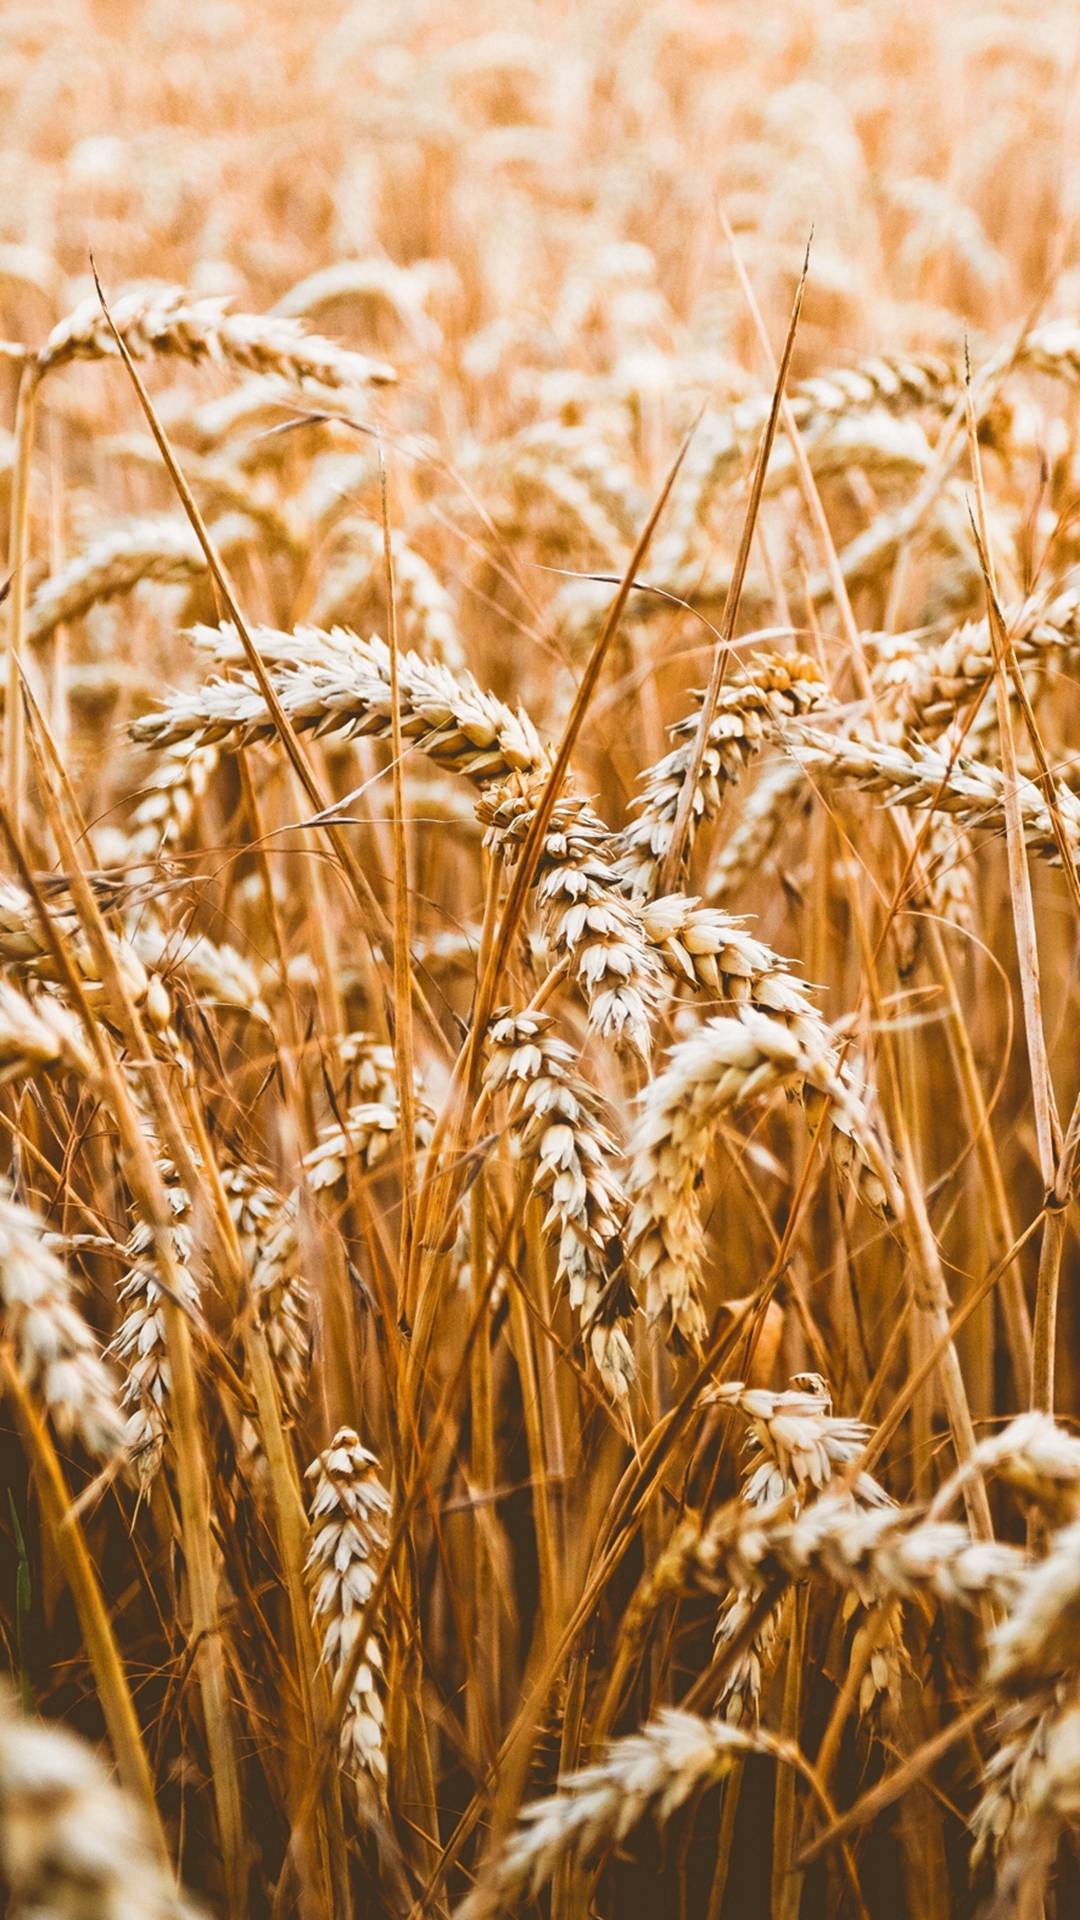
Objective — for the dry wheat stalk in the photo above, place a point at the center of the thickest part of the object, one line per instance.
(72, 1846)
(554, 1115)
(349, 1508)
(754, 704)
(57, 1355)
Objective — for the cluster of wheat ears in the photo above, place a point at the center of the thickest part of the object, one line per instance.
(539, 910)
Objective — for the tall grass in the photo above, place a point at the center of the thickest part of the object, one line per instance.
(538, 916)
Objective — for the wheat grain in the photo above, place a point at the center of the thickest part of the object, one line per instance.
(796, 1447)
(349, 1506)
(589, 921)
(167, 321)
(726, 1065)
(56, 1353)
(39, 1037)
(969, 791)
(764, 815)
(555, 1116)
(72, 1846)
(674, 1757)
(752, 706)
(140, 1340)
(331, 682)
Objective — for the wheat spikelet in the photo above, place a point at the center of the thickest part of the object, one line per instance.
(712, 952)
(349, 1506)
(335, 682)
(883, 446)
(1053, 348)
(164, 816)
(223, 487)
(72, 1846)
(588, 918)
(24, 948)
(369, 1065)
(796, 1446)
(969, 791)
(365, 1135)
(38, 1037)
(754, 703)
(1037, 1642)
(675, 1756)
(1011, 1777)
(896, 381)
(726, 1065)
(1042, 1783)
(565, 491)
(925, 686)
(554, 1114)
(161, 547)
(216, 974)
(404, 289)
(879, 1553)
(283, 1300)
(267, 1226)
(140, 1340)
(56, 1353)
(167, 321)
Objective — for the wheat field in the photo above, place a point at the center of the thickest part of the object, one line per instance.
(540, 960)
